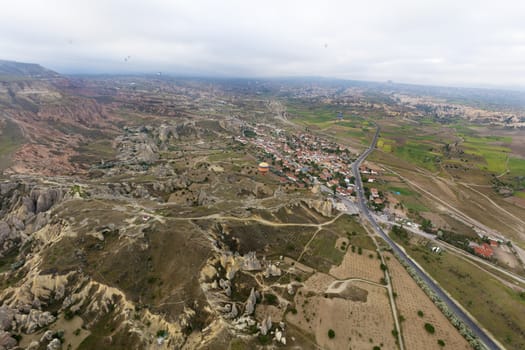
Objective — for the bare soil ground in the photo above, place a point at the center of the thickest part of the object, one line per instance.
(520, 202)
(436, 219)
(362, 266)
(357, 324)
(410, 299)
(506, 258)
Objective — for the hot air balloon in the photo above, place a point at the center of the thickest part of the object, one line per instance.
(263, 168)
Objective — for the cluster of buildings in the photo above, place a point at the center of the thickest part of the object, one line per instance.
(303, 158)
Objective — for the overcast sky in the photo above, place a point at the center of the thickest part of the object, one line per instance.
(459, 42)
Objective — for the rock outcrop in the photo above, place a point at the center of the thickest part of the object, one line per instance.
(6, 318)
(6, 341)
(323, 207)
(272, 271)
(40, 200)
(266, 325)
(249, 308)
(250, 262)
(34, 320)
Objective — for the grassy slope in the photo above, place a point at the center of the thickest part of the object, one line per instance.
(10, 139)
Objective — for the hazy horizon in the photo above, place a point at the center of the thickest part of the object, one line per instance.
(467, 44)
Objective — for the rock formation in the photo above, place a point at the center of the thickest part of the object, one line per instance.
(250, 303)
(250, 262)
(272, 271)
(323, 207)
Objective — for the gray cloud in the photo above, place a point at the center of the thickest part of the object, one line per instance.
(464, 42)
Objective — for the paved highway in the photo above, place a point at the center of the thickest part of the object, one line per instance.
(362, 203)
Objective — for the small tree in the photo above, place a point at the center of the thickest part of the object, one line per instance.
(420, 313)
(331, 333)
(426, 225)
(430, 328)
(441, 342)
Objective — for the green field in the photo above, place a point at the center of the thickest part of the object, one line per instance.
(418, 154)
(415, 206)
(494, 157)
(516, 166)
(320, 116)
(347, 224)
(416, 145)
(520, 194)
(325, 118)
(323, 252)
(403, 191)
(386, 145)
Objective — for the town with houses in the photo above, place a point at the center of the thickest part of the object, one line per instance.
(303, 158)
(306, 160)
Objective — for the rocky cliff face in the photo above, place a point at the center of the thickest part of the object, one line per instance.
(24, 210)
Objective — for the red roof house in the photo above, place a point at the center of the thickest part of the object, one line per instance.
(484, 250)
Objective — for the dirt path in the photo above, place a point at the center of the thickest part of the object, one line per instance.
(341, 284)
(256, 219)
(308, 244)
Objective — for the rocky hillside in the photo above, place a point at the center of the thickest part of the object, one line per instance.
(114, 260)
(25, 70)
(51, 124)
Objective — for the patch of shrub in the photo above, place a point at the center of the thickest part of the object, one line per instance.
(162, 333)
(264, 339)
(430, 328)
(270, 298)
(331, 333)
